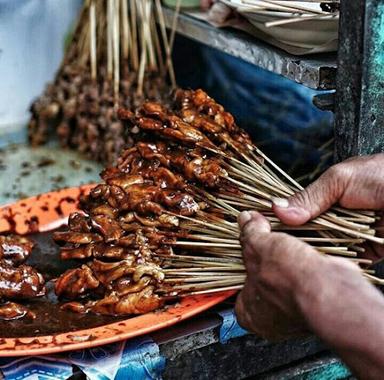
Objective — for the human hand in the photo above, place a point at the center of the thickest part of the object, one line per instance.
(357, 183)
(282, 271)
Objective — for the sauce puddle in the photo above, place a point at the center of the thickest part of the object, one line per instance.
(49, 318)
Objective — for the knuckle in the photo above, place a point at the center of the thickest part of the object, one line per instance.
(303, 197)
(341, 172)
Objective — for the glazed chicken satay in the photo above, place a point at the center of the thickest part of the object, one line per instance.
(130, 221)
(140, 302)
(15, 249)
(22, 282)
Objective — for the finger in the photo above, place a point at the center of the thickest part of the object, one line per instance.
(253, 226)
(252, 222)
(257, 240)
(316, 198)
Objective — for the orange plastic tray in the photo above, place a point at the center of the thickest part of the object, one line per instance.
(48, 211)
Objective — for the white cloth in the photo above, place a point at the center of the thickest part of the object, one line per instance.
(32, 37)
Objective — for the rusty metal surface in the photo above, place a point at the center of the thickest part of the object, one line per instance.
(239, 359)
(360, 82)
(318, 72)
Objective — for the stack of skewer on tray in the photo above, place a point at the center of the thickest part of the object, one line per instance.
(120, 55)
(163, 222)
(287, 11)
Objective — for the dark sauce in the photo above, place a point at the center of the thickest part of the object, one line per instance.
(11, 221)
(58, 208)
(49, 318)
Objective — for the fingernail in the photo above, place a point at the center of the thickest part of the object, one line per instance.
(280, 202)
(244, 218)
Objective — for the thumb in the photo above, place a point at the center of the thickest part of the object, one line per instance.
(252, 223)
(254, 235)
(314, 200)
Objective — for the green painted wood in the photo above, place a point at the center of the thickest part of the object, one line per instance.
(360, 80)
(329, 371)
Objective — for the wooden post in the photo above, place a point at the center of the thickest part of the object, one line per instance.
(359, 128)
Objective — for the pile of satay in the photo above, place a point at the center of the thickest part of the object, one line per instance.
(163, 222)
(120, 55)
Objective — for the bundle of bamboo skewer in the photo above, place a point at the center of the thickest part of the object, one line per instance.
(120, 55)
(164, 221)
(298, 10)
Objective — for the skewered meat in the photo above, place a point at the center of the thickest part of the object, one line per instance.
(140, 302)
(132, 220)
(125, 181)
(83, 252)
(76, 283)
(77, 237)
(181, 131)
(190, 163)
(129, 287)
(197, 108)
(104, 251)
(11, 311)
(79, 222)
(105, 210)
(109, 228)
(169, 126)
(144, 199)
(15, 249)
(22, 282)
(17, 281)
(82, 114)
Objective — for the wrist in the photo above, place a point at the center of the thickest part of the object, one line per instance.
(342, 307)
(309, 300)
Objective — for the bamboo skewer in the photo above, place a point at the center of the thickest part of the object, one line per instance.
(126, 34)
(293, 20)
(116, 48)
(93, 51)
(111, 30)
(283, 7)
(329, 219)
(206, 253)
(315, 1)
(135, 54)
(109, 40)
(168, 51)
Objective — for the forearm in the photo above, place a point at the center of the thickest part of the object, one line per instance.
(347, 312)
